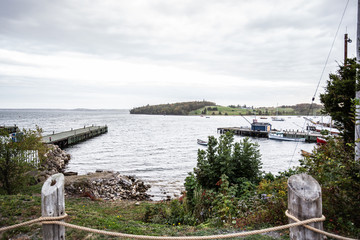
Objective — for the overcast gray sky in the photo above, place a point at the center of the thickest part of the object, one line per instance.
(124, 54)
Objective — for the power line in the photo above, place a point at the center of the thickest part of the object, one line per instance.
(322, 73)
(328, 56)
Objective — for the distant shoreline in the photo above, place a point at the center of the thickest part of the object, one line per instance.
(211, 109)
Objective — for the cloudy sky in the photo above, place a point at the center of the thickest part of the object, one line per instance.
(123, 54)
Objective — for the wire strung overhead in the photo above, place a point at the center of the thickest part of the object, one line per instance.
(322, 73)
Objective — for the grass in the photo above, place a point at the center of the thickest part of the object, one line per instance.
(222, 110)
(117, 216)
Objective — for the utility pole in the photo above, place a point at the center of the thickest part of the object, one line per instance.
(346, 41)
(357, 96)
(345, 48)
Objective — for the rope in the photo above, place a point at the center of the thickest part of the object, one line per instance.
(54, 220)
(40, 219)
(318, 230)
(223, 236)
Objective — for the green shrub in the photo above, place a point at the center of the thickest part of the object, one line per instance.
(239, 161)
(334, 167)
(13, 160)
(225, 173)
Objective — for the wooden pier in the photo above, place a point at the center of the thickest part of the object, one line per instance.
(244, 132)
(10, 129)
(72, 137)
(309, 137)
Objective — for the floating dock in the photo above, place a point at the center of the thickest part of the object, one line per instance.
(10, 129)
(75, 136)
(309, 137)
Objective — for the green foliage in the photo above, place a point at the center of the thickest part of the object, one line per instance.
(225, 204)
(183, 108)
(14, 163)
(217, 206)
(338, 98)
(239, 161)
(225, 172)
(116, 216)
(334, 167)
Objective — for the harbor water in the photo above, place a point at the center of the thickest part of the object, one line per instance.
(158, 149)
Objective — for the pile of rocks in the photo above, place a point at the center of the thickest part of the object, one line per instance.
(106, 185)
(56, 160)
(99, 185)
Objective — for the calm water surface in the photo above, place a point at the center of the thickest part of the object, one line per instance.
(160, 150)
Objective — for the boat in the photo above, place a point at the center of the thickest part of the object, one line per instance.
(277, 119)
(280, 136)
(320, 140)
(202, 142)
(305, 153)
(321, 127)
(331, 130)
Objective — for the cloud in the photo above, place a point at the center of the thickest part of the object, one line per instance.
(277, 46)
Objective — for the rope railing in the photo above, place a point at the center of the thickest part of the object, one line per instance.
(55, 220)
(317, 230)
(37, 220)
(53, 203)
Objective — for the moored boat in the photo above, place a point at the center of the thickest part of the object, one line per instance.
(305, 153)
(277, 119)
(320, 140)
(280, 136)
(202, 142)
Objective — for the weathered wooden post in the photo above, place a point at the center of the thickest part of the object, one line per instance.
(53, 205)
(304, 202)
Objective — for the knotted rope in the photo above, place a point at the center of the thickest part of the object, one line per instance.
(318, 230)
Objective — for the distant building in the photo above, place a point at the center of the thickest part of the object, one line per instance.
(260, 126)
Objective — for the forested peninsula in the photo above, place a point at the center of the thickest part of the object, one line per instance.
(182, 108)
(210, 108)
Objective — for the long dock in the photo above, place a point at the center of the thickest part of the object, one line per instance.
(64, 139)
(309, 137)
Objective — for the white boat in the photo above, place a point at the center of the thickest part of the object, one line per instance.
(202, 142)
(319, 127)
(280, 136)
(277, 119)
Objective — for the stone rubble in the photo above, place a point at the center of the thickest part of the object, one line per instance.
(57, 159)
(108, 186)
(105, 185)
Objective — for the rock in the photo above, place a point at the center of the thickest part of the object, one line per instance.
(70, 173)
(107, 185)
(56, 160)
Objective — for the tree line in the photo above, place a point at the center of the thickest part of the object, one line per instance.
(182, 108)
